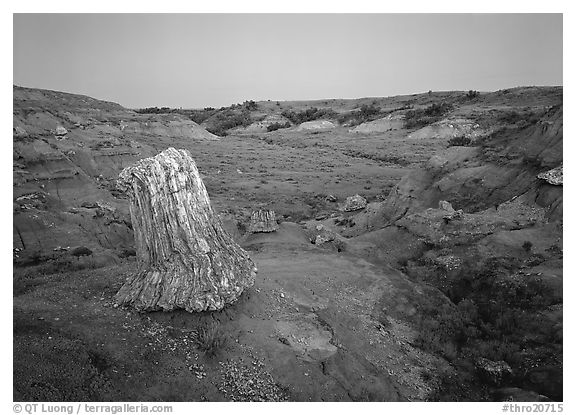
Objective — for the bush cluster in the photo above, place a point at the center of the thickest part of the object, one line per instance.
(472, 94)
(364, 114)
(311, 114)
(421, 117)
(492, 316)
(225, 120)
(521, 118)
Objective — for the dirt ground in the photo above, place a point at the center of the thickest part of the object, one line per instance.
(318, 325)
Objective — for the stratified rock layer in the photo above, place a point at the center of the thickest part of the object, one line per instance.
(263, 221)
(187, 261)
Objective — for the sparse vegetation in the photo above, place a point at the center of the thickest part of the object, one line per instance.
(495, 317)
(364, 114)
(519, 118)
(421, 117)
(225, 120)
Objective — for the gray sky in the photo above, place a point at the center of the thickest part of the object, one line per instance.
(195, 60)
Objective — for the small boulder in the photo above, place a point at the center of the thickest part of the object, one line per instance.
(554, 176)
(321, 216)
(263, 220)
(19, 132)
(450, 213)
(324, 235)
(331, 198)
(447, 206)
(353, 203)
(127, 252)
(325, 238)
(61, 131)
(493, 372)
(81, 251)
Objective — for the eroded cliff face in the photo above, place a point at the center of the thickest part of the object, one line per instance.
(68, 151)
(502, 166)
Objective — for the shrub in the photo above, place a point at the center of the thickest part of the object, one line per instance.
(154, 110)
(459, 141)
(251, 105)
(422, 117)
(210, 338)
(472, 94)
(364, 114)
(225, 120)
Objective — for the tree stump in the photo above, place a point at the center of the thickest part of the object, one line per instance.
(263, 221)
(186, 260)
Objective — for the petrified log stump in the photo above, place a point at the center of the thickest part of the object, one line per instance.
(263, 221)
(186, 260)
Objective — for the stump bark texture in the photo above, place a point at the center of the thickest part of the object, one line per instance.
(186, 260)
(263, 221)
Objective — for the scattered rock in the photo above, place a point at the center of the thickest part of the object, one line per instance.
(248, 383)
(331, 198)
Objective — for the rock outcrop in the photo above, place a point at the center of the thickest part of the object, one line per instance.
(391, 122)
(263, 221)
(450, 128)
(316, 125)
(187, 261)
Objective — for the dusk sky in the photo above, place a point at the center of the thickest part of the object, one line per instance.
(195, 60)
